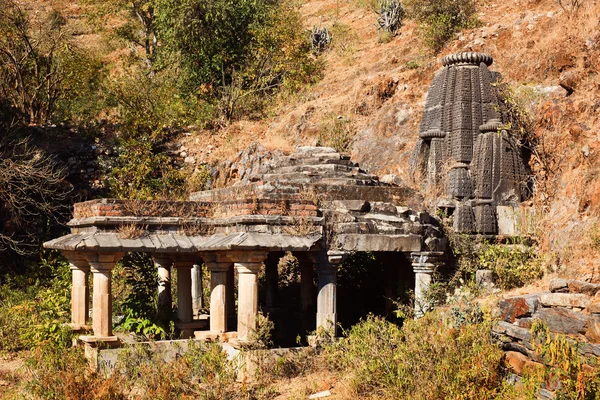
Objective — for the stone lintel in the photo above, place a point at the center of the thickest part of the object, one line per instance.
(378, 242)
(95, 341)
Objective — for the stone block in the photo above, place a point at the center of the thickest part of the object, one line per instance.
(565, 300)
(484, 278)
(559, 286)
(594, 306)
(562, 320)
(515, 220)
(584, 287)
(518, 307)
(593, 329)
(520, 363)
(513, 331)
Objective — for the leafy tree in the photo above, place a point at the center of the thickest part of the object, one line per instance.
(39, 66)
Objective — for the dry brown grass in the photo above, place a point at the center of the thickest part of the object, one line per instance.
(132, 231)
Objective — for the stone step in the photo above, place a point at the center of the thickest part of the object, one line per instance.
(290, 161)
(314, 168)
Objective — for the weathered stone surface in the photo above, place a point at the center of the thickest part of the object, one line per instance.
(513, 331)
(565, 300)
(484, 278)
(584, 287)
(520, 363)
(518, 307)
(562, 320)
(593, 329)
(559, 286)
(594, 306)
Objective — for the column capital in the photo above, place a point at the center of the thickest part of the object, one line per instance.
(328, 262)
(216, 262)
(101, 262)
(248, 267)
(426, 261)
(77, 260)
(245, 257)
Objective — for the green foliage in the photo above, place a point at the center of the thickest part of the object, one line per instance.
(514, 265)
(425, 359)
(261, 337)
(439, 20)
(142, 171)
(202, 372)
(55, 372)
(137, 302)
(41, 70)
(391, 15)
(35, 307)
(239, 51)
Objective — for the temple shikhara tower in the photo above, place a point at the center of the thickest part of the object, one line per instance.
(466, 154)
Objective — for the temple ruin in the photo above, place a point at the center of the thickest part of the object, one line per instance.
(315, 203)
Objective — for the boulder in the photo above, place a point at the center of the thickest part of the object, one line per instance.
(565, 300)
(559, 285)
(518, 307)
(584, 287)
(593, 329)
(562, 320)
(520, 363)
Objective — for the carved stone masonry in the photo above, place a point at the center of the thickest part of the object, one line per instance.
(461, 130)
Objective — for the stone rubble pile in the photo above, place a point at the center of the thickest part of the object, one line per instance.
(570, 308)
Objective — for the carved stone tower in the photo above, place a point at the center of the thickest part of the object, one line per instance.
(464, 150)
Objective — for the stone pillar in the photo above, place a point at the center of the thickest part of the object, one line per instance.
(80, 291)
(184, 290)
(101, 266)
(165, 302)
(248, 265)
(326, 298)
(218, 292)
(197, 289)
(424, 266)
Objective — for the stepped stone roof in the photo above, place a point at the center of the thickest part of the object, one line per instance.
(314, 199)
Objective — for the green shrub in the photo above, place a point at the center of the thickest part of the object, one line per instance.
(439, 20)
(513, 265)
(427, 358)
(35, 307)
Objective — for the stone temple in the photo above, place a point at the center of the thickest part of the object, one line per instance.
(316, 204)
(465, 154)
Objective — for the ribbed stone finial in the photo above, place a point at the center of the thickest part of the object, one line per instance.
(468, 57)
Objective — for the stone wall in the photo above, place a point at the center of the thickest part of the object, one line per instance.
(570, 308)
(191, 209)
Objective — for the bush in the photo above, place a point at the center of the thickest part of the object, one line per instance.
(35, 307)
(425, 359)
(439, 20)
(513, 265)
